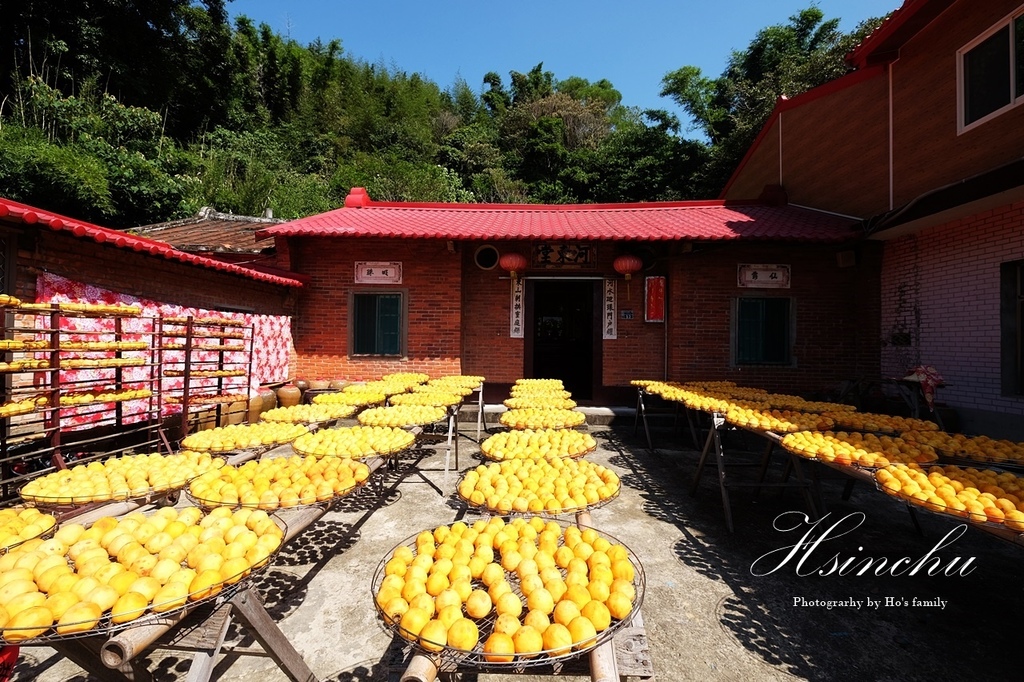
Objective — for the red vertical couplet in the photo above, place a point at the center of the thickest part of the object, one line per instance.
(654, 289)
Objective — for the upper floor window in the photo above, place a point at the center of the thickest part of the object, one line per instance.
(990, 72)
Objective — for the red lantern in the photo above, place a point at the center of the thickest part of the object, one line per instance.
(513, 263)
(627, 265)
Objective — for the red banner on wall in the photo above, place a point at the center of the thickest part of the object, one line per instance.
(654, 289)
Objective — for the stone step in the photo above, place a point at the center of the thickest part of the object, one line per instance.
(598, 416)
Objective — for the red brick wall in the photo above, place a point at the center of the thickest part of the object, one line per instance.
(468, 332)
(941, 285)
(432, 277)
(487, 349)
(836, 311)
(142, 275)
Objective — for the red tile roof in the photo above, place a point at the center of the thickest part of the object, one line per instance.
(661, 221)
(211, 232)
(12, 211)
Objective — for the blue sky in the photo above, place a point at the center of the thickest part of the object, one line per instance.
(633, 45)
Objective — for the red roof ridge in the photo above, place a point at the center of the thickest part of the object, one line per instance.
(649, 221)
(29, 215)
(363, 200)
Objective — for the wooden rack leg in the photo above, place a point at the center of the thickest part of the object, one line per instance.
(692, 421)
(641, 414)
(251, 612)
(204, 661)
(720, 460)
(763, 469)
(603, 667)
(805, 486)
(700, 463)
(420, 669)
(479, 412)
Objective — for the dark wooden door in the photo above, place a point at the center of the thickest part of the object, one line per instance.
(561, 333)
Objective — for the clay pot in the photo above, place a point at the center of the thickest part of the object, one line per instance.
(207, 419)
(255, 408)
(337, 384)
(237, 412)
(319, 384)
(302, 384)
(269, 398)
(289, 395)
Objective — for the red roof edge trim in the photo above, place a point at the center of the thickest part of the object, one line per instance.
(882, 44)
(858, 56)
(15, 211)
(783, 105)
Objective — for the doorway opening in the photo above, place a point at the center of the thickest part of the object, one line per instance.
(562, 333)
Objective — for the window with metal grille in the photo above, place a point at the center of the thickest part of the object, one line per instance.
(762, 331)
(377, 324)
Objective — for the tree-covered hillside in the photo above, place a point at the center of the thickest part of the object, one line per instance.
(127, 112)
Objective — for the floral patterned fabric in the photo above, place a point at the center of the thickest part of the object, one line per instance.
(271, 349)
(930, 379)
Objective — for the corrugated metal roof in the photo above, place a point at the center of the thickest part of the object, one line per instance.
(13, 211)
(661, 221)
(212, 231)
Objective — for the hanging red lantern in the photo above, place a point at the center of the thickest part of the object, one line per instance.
(513, 263)
(626, 265)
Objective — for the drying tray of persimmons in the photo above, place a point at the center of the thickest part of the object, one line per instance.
(549, 487)
(508, 595)
(128, 571)
(537, 443)
(541, 418)
(983, 496)
(400, 416)
(18, 525)
(131, 477)
(279, 483)
(862, 450)
(233, 437)
(354, 442)
(308, 414)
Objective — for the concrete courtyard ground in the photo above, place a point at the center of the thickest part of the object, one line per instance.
(714, 608)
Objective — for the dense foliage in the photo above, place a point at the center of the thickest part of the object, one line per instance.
(126, 112)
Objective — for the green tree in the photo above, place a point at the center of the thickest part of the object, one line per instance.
(645, 159)
(781, 60)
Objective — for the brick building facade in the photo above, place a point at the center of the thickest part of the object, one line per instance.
(457, 308)
(924, 142)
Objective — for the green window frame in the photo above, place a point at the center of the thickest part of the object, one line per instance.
(763, 331)
(378, 323)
